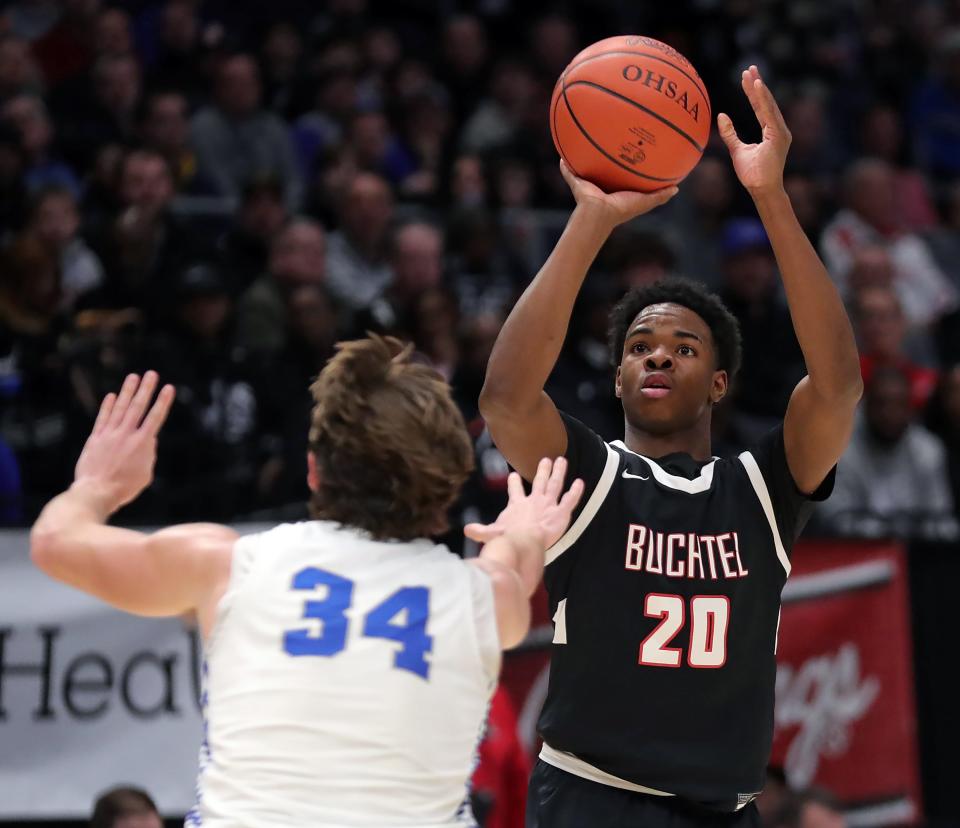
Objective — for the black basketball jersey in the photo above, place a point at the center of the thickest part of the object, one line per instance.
(665, 594)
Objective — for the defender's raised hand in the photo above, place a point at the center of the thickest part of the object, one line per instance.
(614, 208)
(543, 513)
(118, 458)
(758, 166)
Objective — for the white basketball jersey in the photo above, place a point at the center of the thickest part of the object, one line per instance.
(347, 683)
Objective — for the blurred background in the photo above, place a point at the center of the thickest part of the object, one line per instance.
(223, 190)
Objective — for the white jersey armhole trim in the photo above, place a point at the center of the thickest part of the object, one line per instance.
(575, 765)
(590, 509)
(763, 495)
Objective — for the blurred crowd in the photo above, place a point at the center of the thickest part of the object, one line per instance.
(221, 191)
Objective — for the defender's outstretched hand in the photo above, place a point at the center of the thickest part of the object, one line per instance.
(118, 458)
(758, 166)
(615, 208)
(544, 513)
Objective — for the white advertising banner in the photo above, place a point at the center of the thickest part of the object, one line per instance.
(90, 697)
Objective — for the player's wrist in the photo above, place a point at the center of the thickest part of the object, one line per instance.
(769, 194)
(594, 219)
(97, 495)
(527, 540)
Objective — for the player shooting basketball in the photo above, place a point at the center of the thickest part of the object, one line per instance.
(666, 588)
(349, 660)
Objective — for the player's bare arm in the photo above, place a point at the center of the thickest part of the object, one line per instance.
(522, 419)
(819, 418)
(169, 572)
(515, 543)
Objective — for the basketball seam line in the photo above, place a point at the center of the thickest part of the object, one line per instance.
(649, 112)
(702, 90)
(600, 149)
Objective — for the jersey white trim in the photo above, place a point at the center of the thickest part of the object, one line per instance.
(573, 764)
(590, 509)
(701, 483)
(560, 620)
(760, 487)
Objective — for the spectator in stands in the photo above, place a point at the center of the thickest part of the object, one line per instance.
(482, 271)
(180, 62)
(814, 151)
(112, 33)
(433, 325)
(281, 59)
(28, 19)
(465, 61)
(320, 131)
(125, 807)
(35, 408)
(377, 148)
(65, 50)
(870, 218)
(18, 73)
(11, 491)
(944, 240)
(55, 223)
(635, 258)
(807, 198)
(165, 128)
(236, 139)
(427, 131)
(881, 333)
(30, 290)
(893, 477)
(144, 244)
(583, 376)
(211, 457)
(29, 115)
(243, 250)
(313, 329)
(514, 183)
(499, 116)
(935, 110)
(772, 361)
(416, 261)
(357, 268)
(881, 136)
(102, 112)
(297, 258)
(553, 43)
(13, 194)
(943, 419)
(701, 212)
(468, 183)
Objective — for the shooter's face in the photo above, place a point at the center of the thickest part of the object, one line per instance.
(667, 377)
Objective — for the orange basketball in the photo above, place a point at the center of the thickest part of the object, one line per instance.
(630, 113)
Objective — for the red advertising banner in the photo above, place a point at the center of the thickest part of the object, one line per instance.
(845, 714)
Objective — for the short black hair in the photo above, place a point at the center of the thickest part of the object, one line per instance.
(723, 325)
(120, 802)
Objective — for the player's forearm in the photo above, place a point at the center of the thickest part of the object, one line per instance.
(57, 536)
(530, 341)
(520, 552)
(819, 318)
